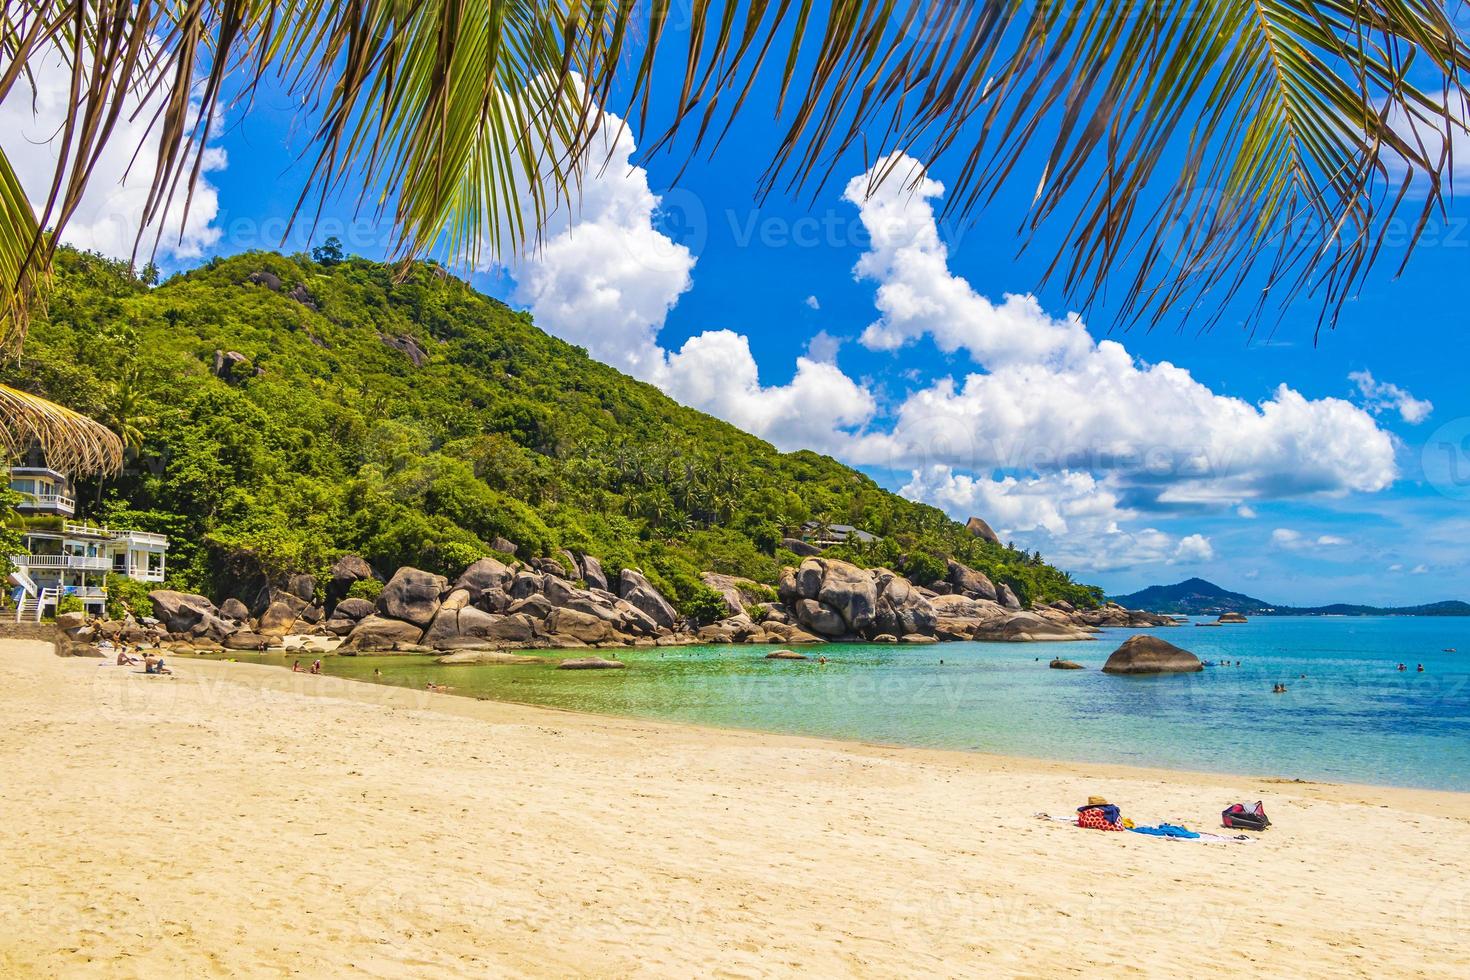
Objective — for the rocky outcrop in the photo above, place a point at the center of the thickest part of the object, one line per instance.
(503, 546)
(592, 572)
(179, 611)
(786, 655)
(981, 530)
(302, 587)
(737, 592)
(965, 581)
(835, 599)
(1232, 617)
(1112, 614)
(353, 609)
(800, 548)
(487, 573)
(382, 633)
(347, 570)
(634, 588)
(234, 609)
(1151, 655)
(1007, 597)
(277, 619)
(406, 345)
(412, 596)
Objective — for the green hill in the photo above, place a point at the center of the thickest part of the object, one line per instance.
(1192, 597)
(414, 421)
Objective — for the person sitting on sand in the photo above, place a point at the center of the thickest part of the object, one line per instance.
(296, 667)
(123, 660)
(154, 665)
(316, 666)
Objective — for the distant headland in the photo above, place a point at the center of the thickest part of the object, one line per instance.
(1197, 597)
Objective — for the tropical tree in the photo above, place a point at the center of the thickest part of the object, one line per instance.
(1179, 148)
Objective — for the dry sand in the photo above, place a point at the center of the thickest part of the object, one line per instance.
(242, 820)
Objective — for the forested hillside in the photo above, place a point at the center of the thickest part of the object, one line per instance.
(415, 422)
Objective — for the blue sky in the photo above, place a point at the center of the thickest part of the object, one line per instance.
(921, 372)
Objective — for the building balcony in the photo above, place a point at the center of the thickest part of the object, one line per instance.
(62, 563)
(47, 503)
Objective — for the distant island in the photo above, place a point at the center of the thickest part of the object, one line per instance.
(1197, 597)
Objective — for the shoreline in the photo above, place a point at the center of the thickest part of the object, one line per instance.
(241, 818)
(550, 655)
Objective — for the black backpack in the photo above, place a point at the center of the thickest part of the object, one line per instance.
(1238, 816)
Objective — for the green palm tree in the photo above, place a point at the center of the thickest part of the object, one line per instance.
(1185, 145)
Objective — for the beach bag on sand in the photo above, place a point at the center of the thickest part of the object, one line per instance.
(1238, 816)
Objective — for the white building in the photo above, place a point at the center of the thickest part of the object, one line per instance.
(66, 558)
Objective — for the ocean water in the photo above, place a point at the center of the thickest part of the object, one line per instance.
(1348, 714)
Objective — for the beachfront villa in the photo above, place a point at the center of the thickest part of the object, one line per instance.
(63, 557)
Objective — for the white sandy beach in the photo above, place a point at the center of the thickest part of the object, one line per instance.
(242, 820)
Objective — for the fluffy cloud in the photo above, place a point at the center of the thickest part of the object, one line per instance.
(111, 210)
(604, 275)
(1290, 540)
(1049, 399)
(1380, 396)
(717, 373)
(917, 294)
(1071, 516)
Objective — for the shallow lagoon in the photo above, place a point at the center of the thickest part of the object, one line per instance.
(1352, 718)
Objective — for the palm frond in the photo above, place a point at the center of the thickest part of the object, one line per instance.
(71, 442)
(1179, 148)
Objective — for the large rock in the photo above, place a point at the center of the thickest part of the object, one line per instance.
(982, 530)
(179, 611)
(302, 587)
(234, 609)
(526, 584)
(592, 573)
(1025, 627)
(1232, 617)
(809, 578)
(277, 620)
(486, 657)
(800, 548)
(380, 633)
(213, 628)
(820, 619)
(737, 592)
(966, 581)
(353, 608)
(637, 590)
(487, 573)
(852, 592)
(503, 546)
(1006, 597)
(1151, 655)
(412, 596)
(579, 626)
(902, 609)
(348, 569)
(591, 663)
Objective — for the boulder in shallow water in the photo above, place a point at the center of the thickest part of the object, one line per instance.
(1151, 655)
(1065, 665)
(1232, 617)
(786, 655)
(381, 633)
(591, 663)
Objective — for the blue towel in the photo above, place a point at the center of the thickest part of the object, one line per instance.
(1166, 830)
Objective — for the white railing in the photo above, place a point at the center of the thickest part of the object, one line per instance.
(138, 537)
(76, 563)
(51, 500)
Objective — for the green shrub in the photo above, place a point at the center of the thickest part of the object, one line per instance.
(704, 606)
(126, 595)
(69, 604)
(365, 588)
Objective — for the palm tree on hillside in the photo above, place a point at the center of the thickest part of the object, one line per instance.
(1176, 147)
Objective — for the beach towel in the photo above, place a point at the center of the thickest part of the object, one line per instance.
(1167, 830)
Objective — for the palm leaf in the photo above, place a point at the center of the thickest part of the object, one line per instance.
(1180, 150)
(71, 442)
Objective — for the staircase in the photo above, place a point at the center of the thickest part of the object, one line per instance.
(29, 608)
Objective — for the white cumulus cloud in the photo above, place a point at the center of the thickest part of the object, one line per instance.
(111, 211)
(1380, 396)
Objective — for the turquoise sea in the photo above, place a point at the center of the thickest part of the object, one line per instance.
(1348, 714)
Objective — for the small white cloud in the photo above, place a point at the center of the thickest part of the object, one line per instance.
(1194, 548)
(1381, 396)
(1246, 511)
(1289, 540)
(1396, 567)
(1420, 570)
(813, 303)
(823, 347)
